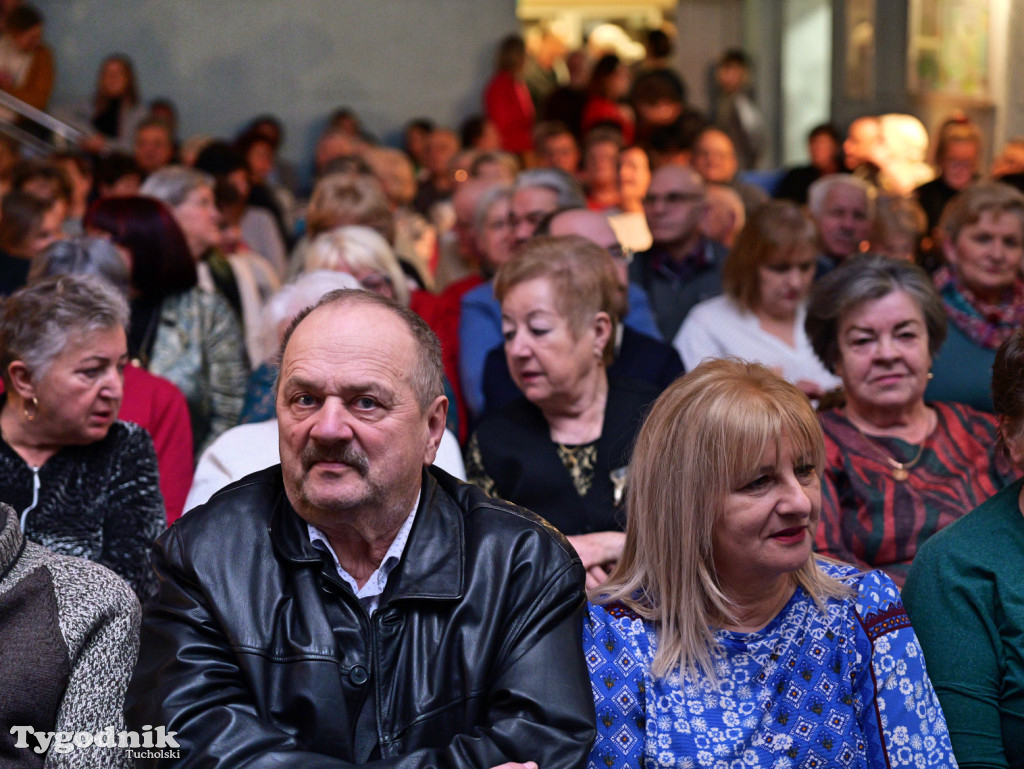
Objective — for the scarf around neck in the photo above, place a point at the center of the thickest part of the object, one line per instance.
(987, 324)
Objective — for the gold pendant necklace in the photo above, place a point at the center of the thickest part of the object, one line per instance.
(900, 470)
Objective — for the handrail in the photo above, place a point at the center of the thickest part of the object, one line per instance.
(39, 117)
(25, 139)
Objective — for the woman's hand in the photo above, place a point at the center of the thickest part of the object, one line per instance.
(599, 552)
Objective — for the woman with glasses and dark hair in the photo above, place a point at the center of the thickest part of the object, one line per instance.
(964, 595)
(178, 331)
(766, 279)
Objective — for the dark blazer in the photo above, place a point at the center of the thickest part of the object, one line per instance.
(673, 298)
(517, 454)
(257, 654)
(639, 357)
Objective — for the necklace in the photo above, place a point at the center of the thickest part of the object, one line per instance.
(900, 470)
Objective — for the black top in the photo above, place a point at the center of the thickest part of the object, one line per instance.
(100, 501)
(13, 273)
(512, 452)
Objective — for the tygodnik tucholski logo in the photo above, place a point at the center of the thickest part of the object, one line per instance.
(149, 743)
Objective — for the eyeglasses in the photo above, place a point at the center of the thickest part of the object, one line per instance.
(672, 198)
(621, 253)
(377, 282)
(533, 218)
(501, 223)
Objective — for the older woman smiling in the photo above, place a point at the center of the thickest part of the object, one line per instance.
(898, 468)
(720, 639)
(981, 288)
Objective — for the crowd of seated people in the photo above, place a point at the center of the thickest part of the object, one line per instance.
(576, 249)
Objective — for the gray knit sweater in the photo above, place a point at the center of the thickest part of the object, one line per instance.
(68, 642)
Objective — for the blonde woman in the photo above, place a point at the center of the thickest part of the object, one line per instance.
(720, 638)
(365, 255)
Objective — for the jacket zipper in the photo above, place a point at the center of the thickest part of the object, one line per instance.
(35, 497)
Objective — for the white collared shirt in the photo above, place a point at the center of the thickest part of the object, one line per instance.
(370, 593)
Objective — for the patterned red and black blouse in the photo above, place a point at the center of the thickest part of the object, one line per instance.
(872, 520)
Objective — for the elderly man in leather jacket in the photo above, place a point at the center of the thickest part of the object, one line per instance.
(352, 606)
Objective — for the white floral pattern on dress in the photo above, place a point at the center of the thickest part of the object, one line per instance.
(844, 688)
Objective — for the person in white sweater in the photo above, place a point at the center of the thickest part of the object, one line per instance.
(760, 317)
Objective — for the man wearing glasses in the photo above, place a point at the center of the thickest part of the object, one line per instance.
(682, 267)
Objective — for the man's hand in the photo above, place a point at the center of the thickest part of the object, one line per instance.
(514, 765)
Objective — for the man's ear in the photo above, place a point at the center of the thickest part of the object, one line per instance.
(21, 380)
(437, 417)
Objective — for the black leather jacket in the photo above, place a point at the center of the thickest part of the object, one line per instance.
(258, 655)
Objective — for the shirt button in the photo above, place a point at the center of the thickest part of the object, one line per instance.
(358, 675)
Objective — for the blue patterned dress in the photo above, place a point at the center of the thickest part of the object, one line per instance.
(843, 689)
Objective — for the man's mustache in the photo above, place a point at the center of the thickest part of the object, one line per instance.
(346, 454)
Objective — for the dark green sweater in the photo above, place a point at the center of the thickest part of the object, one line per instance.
(965, 597)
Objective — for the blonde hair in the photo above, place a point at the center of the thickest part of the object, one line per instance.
(699, 443)
(358, 248)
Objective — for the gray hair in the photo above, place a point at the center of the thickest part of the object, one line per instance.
(570, 194)
(862, 279)
(38, 322)
(305, 291)
(820, 189)
(175, 183)
(427, 376)
(83, 256)
(487, 201)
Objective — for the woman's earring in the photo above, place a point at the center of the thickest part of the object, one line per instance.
(35, 402)
(931, 375)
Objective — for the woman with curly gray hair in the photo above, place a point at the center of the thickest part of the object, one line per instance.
(82, 483)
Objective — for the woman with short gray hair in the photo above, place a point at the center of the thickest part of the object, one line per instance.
(151, 401)
(898, 468)
(82, 483)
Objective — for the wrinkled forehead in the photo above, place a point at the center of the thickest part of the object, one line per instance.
(847, 196)
(353, 328)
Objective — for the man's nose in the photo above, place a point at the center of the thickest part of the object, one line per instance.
(333, 422)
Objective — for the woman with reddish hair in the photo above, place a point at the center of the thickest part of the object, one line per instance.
(177, 330)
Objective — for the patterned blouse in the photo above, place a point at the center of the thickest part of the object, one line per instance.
(870, 519)
(844, 688)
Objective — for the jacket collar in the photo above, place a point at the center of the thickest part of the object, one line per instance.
(433, 564)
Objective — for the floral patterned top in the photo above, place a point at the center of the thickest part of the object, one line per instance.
(844, 688)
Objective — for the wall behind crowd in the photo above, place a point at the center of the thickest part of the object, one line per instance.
(224, 62)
